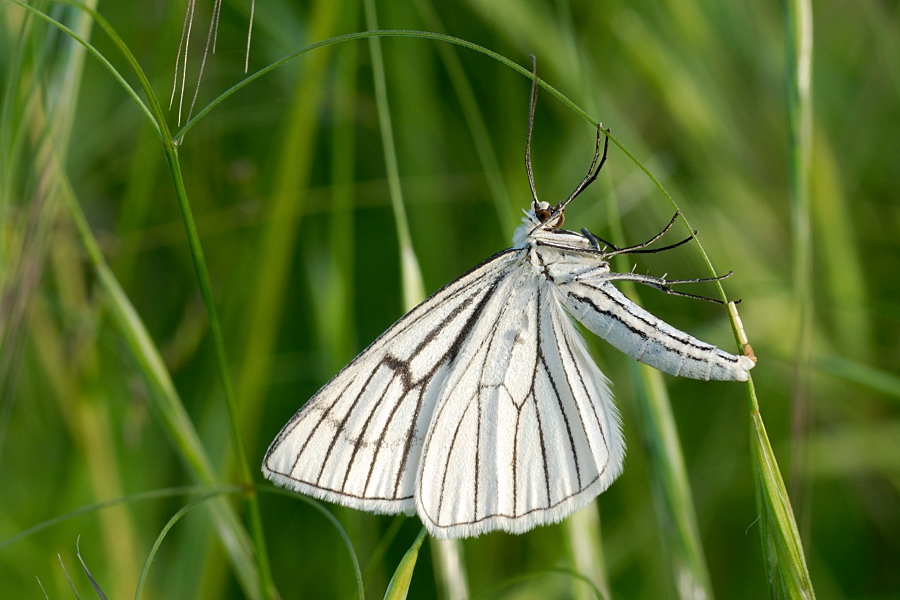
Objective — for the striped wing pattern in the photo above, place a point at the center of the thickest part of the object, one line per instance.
(358, 441)
(607, 312)
(527, 432)
(481, 409)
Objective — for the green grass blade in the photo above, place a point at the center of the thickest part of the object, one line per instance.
(788, 574)
(785, 560)
(586, 550)
(671, 486)
(398, 588)
(799, 42)
(413, 287)
(157, 117)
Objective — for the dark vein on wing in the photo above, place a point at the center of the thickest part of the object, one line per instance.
(313, 405)
(447, 357)
(343, 424)
(477, 453)
(539, 316)
(560, 404)
(449, 456)
(686, 341)
(591, 403)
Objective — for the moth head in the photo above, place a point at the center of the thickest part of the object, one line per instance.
(543, 214)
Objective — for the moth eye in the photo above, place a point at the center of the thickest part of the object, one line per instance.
(544, 212)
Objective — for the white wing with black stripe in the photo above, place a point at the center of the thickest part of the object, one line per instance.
(525, 431)
(358, 441)
(608, 313)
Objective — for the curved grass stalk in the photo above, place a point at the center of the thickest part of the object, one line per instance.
(209, 495)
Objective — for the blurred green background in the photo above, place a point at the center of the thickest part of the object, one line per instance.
(287, 181)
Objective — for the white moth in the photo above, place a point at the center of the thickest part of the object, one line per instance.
(481, 409)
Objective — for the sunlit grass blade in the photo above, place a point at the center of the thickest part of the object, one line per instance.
(783, 550)
(798, 51)
(79, 383)
(398, 588)
(448, 553)
(782, 543)
(332, 268)
(413, 288)
(157, 117)
(586, 549)
(671, 488)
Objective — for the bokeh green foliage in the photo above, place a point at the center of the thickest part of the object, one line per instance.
(286, 180)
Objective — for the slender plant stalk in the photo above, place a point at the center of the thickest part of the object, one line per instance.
(396, 33)
(173, 415)
(798, 20)
(267, 586)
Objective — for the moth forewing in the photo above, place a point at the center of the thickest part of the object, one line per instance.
(358, 441)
